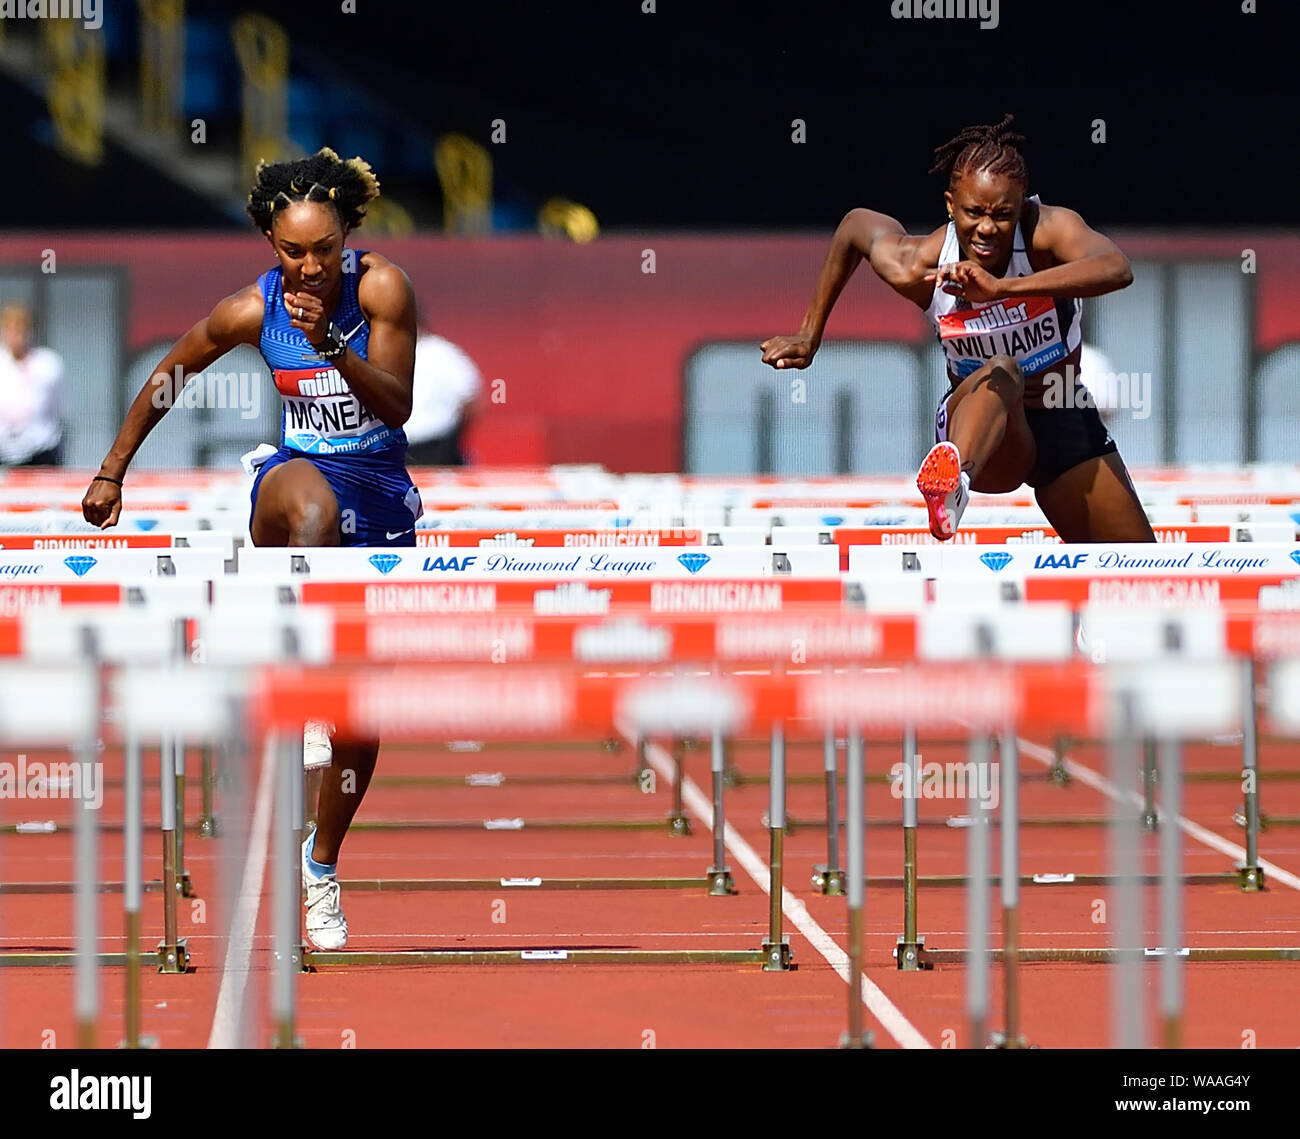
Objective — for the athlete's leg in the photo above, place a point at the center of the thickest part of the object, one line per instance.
(343, 786)
(1095, 502)
(296, 500)
(985, 444)
(295, 507)
(986, 423)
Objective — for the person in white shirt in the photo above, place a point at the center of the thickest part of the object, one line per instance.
(445, 397)
(30, 379)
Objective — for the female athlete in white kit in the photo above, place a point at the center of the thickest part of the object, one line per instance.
(1001, 283)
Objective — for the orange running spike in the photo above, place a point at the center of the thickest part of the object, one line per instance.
(939, 481)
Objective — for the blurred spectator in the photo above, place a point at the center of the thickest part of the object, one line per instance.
(444, 399)
(30, 378)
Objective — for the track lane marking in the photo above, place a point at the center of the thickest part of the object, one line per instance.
(1097, 782)
(878, 1004)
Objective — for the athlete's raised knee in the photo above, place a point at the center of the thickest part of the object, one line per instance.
(1003, 375)
(313, 523)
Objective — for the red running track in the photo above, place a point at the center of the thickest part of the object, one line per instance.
(547, 1005)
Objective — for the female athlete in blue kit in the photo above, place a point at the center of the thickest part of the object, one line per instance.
(337, 328)
(1001, 283)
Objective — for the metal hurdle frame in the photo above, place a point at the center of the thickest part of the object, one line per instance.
(1136, 711)
(172, 953)
(26, 717)
(273, 636)
(292, 954)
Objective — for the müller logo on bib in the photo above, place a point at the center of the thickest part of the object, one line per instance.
(1027, 330)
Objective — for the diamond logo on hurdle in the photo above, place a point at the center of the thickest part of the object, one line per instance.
(384, 563)
(832, 519)
(1295, 556)
(79, 564)
(694, 562)
(146, 523)
(996, 561)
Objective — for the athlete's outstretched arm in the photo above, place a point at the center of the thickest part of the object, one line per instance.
(1091, 265)
(235, 320)
(862, 234)
(383, 380)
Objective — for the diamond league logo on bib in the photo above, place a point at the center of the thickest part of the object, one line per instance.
(996, 560)
(79, 564)
(1295, 556)
(384, 563)
(694, 562)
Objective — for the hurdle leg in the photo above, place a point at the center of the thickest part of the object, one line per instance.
(977, 905)
(1171, 896)
(182, 874)
(910, 951)
(856, 1037)
(721, 882)
(1150, 820)
(286, 892)
(303, 786)
(1059, 774)
(679, 823)
(1251, 874)
(207, 814)
(1125, 903)
(1009, 777)
(830, 878)
(86, 847)
(173, 954)
(776, 946)
(132, 838)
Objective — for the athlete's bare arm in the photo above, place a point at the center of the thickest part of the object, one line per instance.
(1082, 263)
(897, 258)
(383, 381)
(235, 320)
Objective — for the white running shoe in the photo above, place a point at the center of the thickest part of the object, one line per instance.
(945, 488)
(326, 926)
(317, 751)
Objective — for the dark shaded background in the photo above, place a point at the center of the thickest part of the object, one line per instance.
(682, 118)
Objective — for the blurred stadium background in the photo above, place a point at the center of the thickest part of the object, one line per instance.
(532, 156)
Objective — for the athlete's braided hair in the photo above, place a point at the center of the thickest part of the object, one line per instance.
(992, 148)
(321, 177)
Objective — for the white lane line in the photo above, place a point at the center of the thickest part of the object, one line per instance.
(1090, 778)
(234, 972)
(879, 1005)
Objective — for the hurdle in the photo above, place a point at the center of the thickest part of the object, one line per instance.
(1122, 703)
(318, 636)
(111, 607)
(427, 700)
(102, 638)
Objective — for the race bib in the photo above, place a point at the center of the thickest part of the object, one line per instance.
(1028, 330)
(323, 417)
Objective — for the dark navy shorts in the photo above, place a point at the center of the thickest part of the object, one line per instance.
(1064, 438)
(378, 503)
